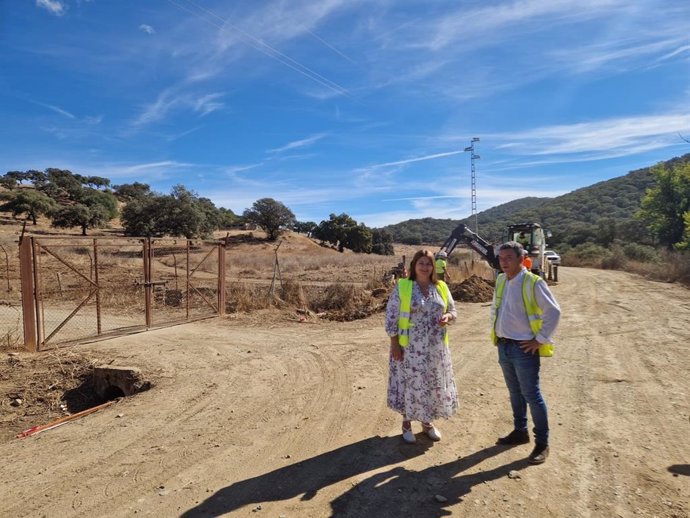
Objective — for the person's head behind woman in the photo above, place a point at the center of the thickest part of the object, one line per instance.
(413, 265)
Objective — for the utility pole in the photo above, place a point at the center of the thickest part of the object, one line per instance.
(474, 157)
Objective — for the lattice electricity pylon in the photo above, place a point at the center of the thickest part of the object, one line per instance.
(474, 157)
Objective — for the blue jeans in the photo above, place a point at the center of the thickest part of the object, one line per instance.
(521, 372)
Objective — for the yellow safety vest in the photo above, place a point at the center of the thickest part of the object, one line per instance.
(441, 266)
(405, 292)
(534, 312)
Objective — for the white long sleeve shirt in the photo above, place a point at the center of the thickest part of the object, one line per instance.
(512, 319)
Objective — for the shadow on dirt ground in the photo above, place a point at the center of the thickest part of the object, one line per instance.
(680, 469)
(389, 493)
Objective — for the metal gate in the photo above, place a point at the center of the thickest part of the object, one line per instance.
(74, 289)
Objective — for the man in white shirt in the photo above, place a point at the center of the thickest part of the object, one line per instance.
(520, 344)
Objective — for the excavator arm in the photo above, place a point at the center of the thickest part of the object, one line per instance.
(463, 235)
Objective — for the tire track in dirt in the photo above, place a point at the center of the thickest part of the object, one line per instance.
(652, 369)
(230, 396)
(612, 381)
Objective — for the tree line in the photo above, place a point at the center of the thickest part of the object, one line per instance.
(648, 207)
(71, 200)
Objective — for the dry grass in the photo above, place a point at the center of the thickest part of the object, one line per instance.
(292, 294)
(666, 266)
(49, 385)
(241, 297)
(673, 267)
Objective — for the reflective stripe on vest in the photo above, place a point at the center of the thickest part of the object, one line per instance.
(533, 311)
(405, 293)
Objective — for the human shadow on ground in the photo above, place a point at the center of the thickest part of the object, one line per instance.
(680, 469)
(307, 477)
(390, 493)
(401, 492)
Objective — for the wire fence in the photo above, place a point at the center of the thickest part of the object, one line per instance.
(11, 327)
(93, 287)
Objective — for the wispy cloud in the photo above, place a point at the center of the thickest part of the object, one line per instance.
(234, 169)
(147, 28)
(620, 37)
(158, 109)
(208, 103)
(491, 24)
(172, 98)
(680, 50)
(628, 49)
(298, 144)
(55, 7)
(156, 165)
(415, 159)
(59, 110)
(177, 136)
(616, 136)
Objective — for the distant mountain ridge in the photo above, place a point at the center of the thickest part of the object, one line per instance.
(613, 201)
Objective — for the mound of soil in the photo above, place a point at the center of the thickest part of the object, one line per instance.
(474, 289)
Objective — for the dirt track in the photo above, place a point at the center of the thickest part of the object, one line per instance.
(277, 418)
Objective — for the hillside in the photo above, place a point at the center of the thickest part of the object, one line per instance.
(433, 230)
(610, 203)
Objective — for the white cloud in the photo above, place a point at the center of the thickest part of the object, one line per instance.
(232, 170)
(55, 7)
(298, 143)
(615, 137)
(156, 165)
(172, 98)
(158, 109)
(208, 103)
(416, 159)
(147, 28)
(59, 110)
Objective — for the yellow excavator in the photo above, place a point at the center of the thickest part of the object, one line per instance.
(530, 235)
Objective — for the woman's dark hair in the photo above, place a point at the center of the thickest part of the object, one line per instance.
(417, 257)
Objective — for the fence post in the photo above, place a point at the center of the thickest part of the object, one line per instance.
(221, 279)
(26, 269)
(148, 288)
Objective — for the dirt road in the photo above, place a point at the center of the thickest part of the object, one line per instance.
(277, 418)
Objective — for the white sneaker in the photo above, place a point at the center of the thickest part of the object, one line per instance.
(408, 436)
(432, 432)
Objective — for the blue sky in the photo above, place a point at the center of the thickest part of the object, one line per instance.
(331, 106)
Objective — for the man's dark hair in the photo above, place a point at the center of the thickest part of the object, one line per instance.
(514, 246)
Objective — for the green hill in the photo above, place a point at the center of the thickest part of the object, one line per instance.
(573, 218)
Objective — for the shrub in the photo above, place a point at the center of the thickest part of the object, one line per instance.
(242, 297)
(340, 297)
(615, 260)
(641, 253)
(586, 254)
(293, 294)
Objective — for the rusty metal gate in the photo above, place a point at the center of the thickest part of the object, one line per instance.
(74, 289)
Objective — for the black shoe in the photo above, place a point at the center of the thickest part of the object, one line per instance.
(514, 437)
(539, 454)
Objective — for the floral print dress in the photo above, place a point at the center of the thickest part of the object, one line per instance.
(421, 387)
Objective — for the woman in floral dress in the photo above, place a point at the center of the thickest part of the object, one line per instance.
(421, 386)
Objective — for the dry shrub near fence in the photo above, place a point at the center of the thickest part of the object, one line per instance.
(292, 293)
(12, 334)
(340, 297)
(241, 297)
